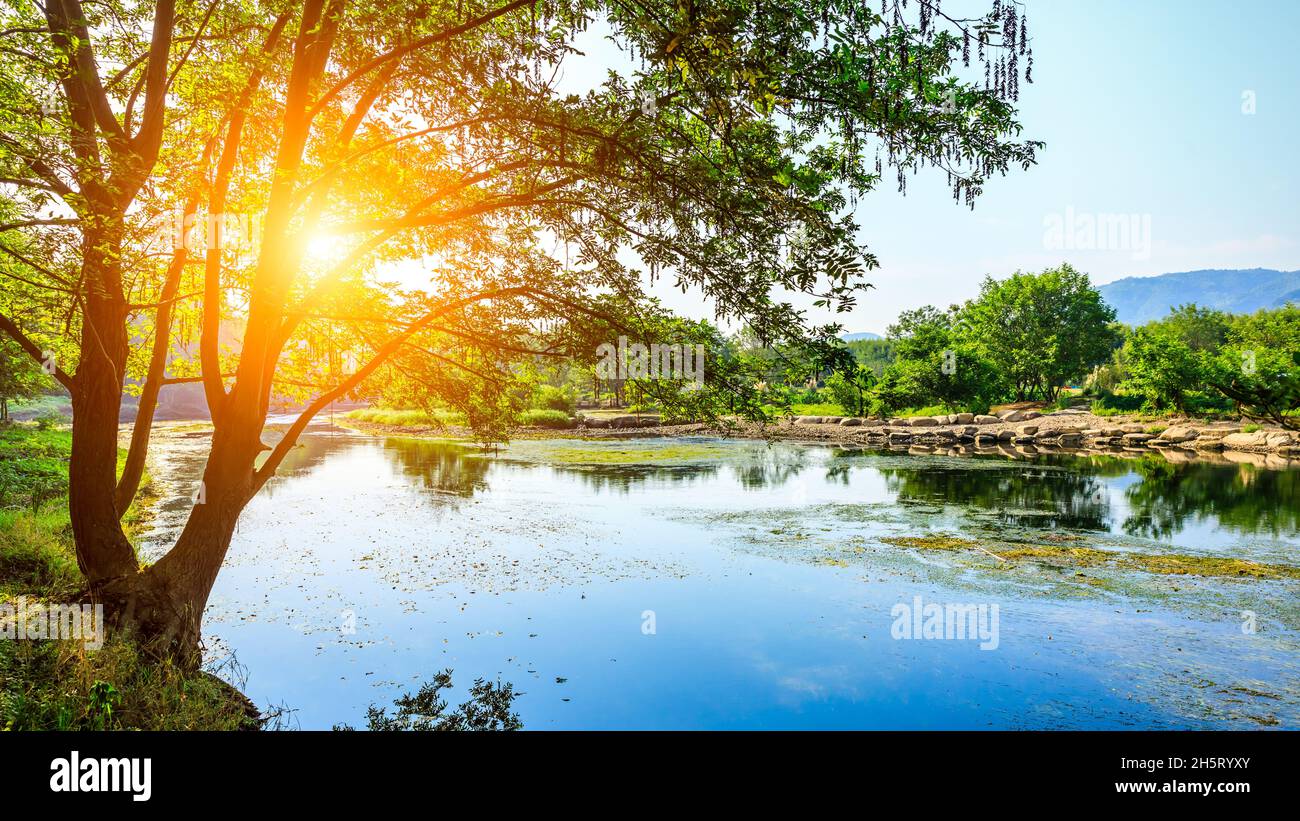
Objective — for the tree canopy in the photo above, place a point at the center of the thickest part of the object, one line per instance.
(312, 199)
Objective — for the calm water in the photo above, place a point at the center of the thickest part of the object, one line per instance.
(706, 583)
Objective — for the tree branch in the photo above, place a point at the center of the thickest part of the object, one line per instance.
(35, 352)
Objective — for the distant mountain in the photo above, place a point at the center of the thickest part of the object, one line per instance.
(1138, 300)
(862, 335)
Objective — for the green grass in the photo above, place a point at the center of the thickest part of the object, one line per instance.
(412, 418)
(33, 465)
(407, 418)
(62, 685)
(545, 418)
(579, 452)
(46, 404)
(816, 409)
(932, 410)
(36, 558)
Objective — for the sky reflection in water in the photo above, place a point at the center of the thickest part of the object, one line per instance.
(541, 564)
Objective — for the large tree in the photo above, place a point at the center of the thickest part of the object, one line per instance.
(1041, 330)
(344, 137)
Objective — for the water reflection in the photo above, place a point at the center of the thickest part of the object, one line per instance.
(1025, 495)
(537, 563)
(1244, 498)
(1161, 497)
(443, 467)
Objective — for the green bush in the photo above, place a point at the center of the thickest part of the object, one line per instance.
(851, 391)
(1114, 404)
(549, 397)
(46, 421)
(537, 418)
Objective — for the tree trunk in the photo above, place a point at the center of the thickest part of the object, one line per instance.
(163, 605)
(103, 551)
(133, 470)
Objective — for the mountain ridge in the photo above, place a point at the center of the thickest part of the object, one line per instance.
(1138, 300)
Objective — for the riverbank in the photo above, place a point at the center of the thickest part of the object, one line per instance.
(71, 684)
(1016, 432)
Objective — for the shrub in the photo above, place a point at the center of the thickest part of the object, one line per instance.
(46, 421)
(851, 391)
(549, 397)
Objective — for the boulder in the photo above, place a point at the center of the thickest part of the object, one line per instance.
(923, 422)
(900, 438)
(1246, 441)
(1137, 438)
(808, 420)
(850, 422)
(1032, 414)
(1011, 415)
(985, 419)
(1280, 440)
(1179, 433)
(633, 420)
(1070, 440)
(1027, 430)
(963, 418)
(1132, 429)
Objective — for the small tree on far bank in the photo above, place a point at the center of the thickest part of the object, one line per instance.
(851, 389)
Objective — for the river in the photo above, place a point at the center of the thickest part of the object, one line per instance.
(713, 583)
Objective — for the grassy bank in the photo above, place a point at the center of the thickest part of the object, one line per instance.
(62, 685)
(418, 419)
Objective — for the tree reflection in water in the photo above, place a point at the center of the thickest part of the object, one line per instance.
(1246, 498)
(1044, 491)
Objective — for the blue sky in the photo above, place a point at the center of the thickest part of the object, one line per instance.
(1141, 106)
